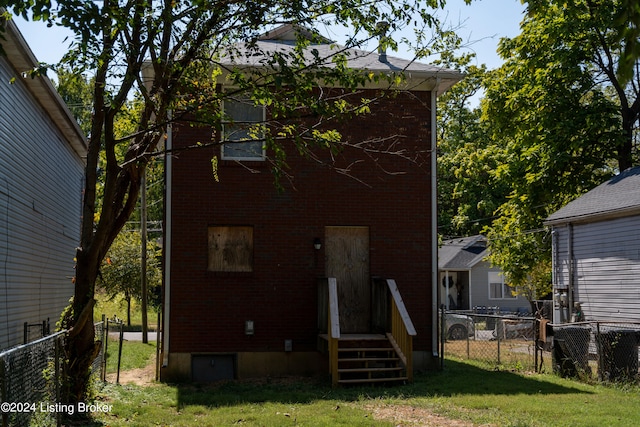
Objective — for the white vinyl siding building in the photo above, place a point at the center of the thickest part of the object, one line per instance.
(41, 180)
(596, 251)
(474, 282)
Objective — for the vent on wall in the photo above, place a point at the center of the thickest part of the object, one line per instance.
(208, 368)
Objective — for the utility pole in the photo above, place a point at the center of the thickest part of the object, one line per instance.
(143, 261)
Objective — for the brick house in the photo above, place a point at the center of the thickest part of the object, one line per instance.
(254, 275)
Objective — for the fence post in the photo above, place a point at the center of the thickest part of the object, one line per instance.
(56, 358)
(105, 338)
(498, 326)
(442, 328)
(599, 349)
(106, 343)
(120, 351)
(536, 336)
(469, 345)
(158, 346)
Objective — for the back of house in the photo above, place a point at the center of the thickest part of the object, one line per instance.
(41, 181)
(248, 265)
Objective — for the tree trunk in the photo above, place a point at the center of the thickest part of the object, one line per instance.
(629, 117)
(82, 348)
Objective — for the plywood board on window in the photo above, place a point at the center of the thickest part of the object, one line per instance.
(230, 248)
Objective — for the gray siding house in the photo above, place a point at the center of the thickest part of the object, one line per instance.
(41, 181)
(468, 280)
(596, 252)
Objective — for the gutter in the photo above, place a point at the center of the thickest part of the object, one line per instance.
(167, 247)
(434, 224)
(594, 216)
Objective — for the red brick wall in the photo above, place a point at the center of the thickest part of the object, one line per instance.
(208, 309)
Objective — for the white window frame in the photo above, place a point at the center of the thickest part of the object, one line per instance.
(226, 154)
(495, 278)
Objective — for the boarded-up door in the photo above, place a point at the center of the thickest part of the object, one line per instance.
(347, 252)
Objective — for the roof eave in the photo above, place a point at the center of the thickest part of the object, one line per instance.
(439, 81)
(22, 59)
(594, 216)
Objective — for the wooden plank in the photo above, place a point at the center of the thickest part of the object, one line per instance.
(402, 310)
(372, 380)
(397, 349)
(334, 316)
(359, 370)
(347, 259)
(230, 248)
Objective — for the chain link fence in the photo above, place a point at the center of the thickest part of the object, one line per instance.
(497, 341)
(34, 331)
(603, 351)
(592, 351)
(30, 380)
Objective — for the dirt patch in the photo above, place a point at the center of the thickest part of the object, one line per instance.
(142, 376)
(409, 416)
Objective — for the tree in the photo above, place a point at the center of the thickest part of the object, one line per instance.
(75, 90)
(468, 194)
(562, 120)
(120, 273)
(179, 42)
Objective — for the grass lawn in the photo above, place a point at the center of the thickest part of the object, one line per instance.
(118, 307)
(463, 394)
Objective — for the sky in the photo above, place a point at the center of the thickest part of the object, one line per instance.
(481, 24)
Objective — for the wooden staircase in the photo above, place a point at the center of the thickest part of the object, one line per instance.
(385, 357)
(368, 359)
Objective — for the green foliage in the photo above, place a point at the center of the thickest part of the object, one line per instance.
(75, 91)
(555, 122)
(121, 270)
(468, 193)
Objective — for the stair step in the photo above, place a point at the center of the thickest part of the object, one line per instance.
(354, 370)
(372, 380)
(352, 349)
(369, 359)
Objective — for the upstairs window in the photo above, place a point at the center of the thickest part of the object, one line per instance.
(497, 288)
(244, 120)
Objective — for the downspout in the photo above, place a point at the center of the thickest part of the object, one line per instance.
(167, 245)
(469, 290)
(571, 274)
(434, 224)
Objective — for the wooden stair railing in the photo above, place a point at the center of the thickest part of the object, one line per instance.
(402, 329)
(333, 329)
(370, 358)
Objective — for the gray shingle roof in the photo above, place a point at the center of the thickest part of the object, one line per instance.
(618, 196)
(280, 40)
(462, 253)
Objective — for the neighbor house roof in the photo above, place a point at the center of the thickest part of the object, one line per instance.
(462, 253)
(22, 60)
(283, 39)
(619, 196)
